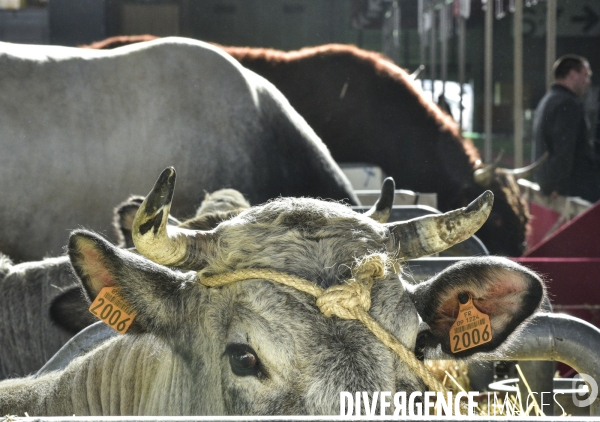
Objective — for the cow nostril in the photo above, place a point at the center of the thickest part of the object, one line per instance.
(423, 341)
(420, 352)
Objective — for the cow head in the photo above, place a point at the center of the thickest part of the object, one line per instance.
(508, 224)
(255, 347)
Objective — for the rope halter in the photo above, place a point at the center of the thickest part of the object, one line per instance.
(350, 300)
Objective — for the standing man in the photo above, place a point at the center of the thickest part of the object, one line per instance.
(561, 127)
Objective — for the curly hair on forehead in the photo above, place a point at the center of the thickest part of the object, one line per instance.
(566, 63)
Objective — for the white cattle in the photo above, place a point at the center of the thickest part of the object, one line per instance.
(80, 129)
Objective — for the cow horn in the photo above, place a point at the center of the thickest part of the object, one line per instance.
(382, 208)
(484, 175)
(435, 233)
(418, 70)
(159, 242)
(528, 171)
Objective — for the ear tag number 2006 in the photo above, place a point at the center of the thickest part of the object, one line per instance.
(112, 309)
(471, 328)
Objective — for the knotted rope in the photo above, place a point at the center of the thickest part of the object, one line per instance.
(350, 300)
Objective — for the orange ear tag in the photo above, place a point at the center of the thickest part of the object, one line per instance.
(470, 329)
(110, 307)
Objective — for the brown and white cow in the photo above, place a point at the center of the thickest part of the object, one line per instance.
(366, 109)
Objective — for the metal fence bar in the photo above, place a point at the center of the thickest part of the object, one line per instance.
(291, 419)
(562, 338)
(488, 80)
(550, 41)
(518, 83)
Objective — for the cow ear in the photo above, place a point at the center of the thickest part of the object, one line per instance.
(93, 260)
(154, 292)
(505, 291)
(124, 214)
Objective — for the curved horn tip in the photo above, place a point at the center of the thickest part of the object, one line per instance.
(381, 210)
(388, 190)
(528, 171)
(484, 175)
(167, 173)
(386, 197)
(166, 179)
(388, 184)
(485, 199)
(162, 192)
(149, 231)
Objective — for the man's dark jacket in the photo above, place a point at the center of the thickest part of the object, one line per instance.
(561, 127)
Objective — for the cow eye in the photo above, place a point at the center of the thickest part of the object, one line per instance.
(243, 360)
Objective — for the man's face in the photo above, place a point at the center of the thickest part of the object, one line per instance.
(581, 79)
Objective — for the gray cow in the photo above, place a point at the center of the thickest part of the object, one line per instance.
(42, 304)
(256, 347)
(39, 312)
(78, 127)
